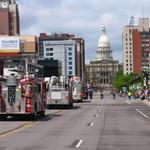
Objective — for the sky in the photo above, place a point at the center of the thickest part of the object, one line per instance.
(84, 18)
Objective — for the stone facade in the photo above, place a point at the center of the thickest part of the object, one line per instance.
(101, 71)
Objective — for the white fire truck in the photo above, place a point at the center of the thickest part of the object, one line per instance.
(59, 92)
(25, 96)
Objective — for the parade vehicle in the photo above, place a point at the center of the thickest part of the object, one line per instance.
(77, 89)
(23, 96)
(59, 92)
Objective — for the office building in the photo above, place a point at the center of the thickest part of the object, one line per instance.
(67, 49)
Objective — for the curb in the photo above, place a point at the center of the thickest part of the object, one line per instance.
(147, 102)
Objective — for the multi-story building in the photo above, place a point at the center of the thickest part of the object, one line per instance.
(65, 52)
(66, 48)
(9, 21)
(9, 18)
(136, 47)
(102, 70)
(15, 49)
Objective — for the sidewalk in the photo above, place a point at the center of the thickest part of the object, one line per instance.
(147, 102)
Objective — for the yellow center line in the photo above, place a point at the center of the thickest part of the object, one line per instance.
(20, 128)
(24, 126)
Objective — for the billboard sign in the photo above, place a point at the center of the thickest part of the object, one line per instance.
(9, 45)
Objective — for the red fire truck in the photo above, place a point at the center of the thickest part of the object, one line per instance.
(25, 96)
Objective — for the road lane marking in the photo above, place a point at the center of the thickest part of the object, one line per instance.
(142, 113)
(128, 102)
(91, 124)
(79, 143)
(25, 126)
(96, 115)
(20, 128)
(99, 110)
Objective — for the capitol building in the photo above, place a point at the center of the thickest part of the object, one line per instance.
(102, 70)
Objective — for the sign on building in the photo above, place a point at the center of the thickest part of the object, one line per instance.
(9, 46)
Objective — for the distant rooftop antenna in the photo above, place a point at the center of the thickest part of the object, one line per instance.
(131, 21)
(143, 11)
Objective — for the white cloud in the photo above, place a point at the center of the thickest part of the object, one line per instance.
(82, 18)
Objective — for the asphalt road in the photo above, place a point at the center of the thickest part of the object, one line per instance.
(92, 125)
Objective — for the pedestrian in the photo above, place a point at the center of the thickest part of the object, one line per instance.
(142, 95)
(101, 94)
(90, 92)
(114, 95)
(129, 95)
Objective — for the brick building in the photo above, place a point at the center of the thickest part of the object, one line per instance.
(136, 47)
(9, 18)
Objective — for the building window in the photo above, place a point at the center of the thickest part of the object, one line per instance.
(70, 63)
(70, 58)
(49, 49)
(70, 53)
(70, 48)
(70, 67)
(49, 54)
(70, 72)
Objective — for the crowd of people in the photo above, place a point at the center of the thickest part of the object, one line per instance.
(139, 94)
(136, 94)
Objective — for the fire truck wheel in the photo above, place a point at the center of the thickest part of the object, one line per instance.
(81, 100)
(70, 105)
(42, 113)
(3, 118)
(34, 114)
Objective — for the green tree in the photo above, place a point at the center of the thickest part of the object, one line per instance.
(121, 80)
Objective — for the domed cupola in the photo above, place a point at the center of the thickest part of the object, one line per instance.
(103, 40)
(104, 49)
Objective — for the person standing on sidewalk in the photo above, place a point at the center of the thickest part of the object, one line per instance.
(90, 93)
(129, 95)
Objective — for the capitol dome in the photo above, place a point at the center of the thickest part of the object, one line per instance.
(104, 51)
(103, 40)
